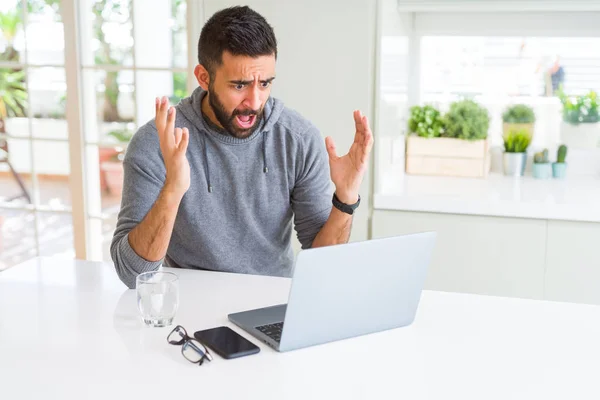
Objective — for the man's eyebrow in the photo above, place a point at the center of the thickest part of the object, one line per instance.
(242, 82)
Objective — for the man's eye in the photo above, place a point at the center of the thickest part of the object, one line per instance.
(265, 84)
(239, 86)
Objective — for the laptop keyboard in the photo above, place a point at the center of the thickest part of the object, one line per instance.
(272, 330)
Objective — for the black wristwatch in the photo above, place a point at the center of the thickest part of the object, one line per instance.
(347, 208)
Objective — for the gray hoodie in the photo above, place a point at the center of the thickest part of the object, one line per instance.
(244, 194)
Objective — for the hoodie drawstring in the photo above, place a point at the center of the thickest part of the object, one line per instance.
(264, 143)
(207, 170)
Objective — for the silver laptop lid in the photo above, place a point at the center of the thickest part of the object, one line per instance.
(357, 288)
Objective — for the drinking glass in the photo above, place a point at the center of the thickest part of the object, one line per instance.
(157, 297)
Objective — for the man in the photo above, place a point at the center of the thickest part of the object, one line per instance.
(557, 75)
(216, 182)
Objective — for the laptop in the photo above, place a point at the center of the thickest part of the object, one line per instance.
(344, 291)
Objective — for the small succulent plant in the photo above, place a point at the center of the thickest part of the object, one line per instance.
(561, 154)
(541, 157)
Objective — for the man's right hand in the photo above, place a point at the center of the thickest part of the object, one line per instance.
(173, 145)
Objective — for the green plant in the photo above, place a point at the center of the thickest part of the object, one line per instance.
(580, 109)
(467, 120)
(107, 53)
(10, 22)
(121, 135)
(179, 87)
(541, 157)
(519, 114)
(426, 121)
(561, 154)
(13, 96)
(517, 141)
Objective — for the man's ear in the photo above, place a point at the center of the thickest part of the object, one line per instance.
(202, 76)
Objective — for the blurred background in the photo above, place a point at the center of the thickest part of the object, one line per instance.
(463, 97)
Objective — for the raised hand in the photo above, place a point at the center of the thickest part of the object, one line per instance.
(347, 171)
(173, 145)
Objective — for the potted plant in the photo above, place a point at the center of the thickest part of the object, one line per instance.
(467, 120)
(580, 126)
(426, 121)
(541, 165)
(559, 168)
(112, 168)
(13, 96)
(452, 145)
(518, 116)
(516, 143)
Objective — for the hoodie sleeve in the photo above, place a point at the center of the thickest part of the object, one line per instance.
(144, 178)
(313, 190)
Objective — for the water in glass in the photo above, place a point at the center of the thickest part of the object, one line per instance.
(157, 297)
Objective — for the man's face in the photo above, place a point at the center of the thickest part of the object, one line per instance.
(239, 90)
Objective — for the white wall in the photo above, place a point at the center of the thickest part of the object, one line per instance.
(325, 68)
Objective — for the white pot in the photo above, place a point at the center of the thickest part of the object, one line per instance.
(580, 136)
(514, 164)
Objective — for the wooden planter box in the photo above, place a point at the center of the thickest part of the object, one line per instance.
(447, 157)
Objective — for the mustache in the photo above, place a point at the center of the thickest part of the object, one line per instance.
(245, 112)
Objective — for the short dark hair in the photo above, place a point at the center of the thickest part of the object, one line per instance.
(238, 30)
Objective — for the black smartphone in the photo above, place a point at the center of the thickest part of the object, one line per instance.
(226, 342)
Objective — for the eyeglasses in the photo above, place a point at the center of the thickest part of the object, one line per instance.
(193, 351)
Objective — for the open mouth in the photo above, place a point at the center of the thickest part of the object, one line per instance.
(245, 121)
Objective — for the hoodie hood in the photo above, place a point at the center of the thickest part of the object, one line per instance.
(191, 108)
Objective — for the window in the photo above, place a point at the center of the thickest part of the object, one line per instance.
(121, 72)
(492, 53)
(497, 71)
(35, 197)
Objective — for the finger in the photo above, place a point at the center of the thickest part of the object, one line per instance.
(331, 148)
(367, 134)
(368, 141)
(178, 134)
(357, 121)
(185, 140)
(170, 128)
(359, 126)
(156, 105)
(161, 114)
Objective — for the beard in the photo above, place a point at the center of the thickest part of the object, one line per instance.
(227, 120)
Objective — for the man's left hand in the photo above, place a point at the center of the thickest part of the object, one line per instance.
(347, 171)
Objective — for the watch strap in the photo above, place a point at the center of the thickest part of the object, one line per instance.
(347, 208)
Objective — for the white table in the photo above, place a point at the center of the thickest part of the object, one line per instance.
(70, 330)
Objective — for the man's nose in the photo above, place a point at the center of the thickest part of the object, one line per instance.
(253, 99)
